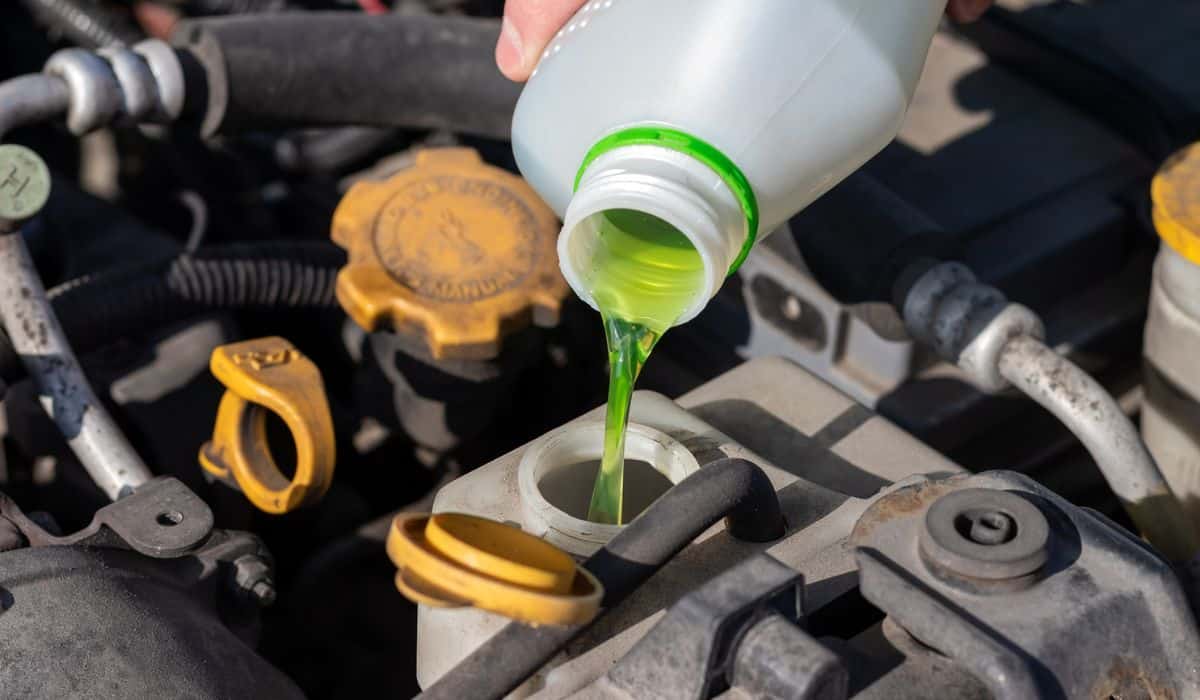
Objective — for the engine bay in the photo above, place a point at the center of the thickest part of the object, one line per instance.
(280, 313)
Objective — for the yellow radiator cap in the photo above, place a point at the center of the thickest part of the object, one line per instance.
(451, 250)
(1176, 196)
(452, 560)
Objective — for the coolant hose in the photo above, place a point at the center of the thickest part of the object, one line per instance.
(860, 236)
(98, 309)
(342, 68)
(729, 488)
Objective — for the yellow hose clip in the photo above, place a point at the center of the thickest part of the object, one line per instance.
(451, 560)
(270, 374)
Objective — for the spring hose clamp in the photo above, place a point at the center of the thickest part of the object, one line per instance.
(270, 374)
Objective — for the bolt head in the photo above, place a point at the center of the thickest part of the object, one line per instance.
(985, 535)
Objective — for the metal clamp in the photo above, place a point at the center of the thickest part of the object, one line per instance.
(967, 322)
(144, 83)
(270, 374)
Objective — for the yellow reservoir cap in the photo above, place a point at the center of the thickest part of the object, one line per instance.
(452, 251)
(1176, 196)
(457, 560)
(270, 374)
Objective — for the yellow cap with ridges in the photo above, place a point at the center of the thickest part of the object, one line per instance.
(451, 250)
(450, 560)
(1176, 196)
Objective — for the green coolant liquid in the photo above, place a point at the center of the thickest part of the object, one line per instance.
(644, 276)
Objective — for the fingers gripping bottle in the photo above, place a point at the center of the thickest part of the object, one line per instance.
(718, 118)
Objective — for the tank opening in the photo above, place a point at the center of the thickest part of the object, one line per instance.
(569, 488)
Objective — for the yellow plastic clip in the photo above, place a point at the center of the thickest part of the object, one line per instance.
(451, 560)
(269, 374)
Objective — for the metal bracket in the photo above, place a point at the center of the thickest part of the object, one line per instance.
(1033, 596)
(695, 651)
(161, 519)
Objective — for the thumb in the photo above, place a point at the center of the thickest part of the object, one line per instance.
(968, 10)
(528, 27)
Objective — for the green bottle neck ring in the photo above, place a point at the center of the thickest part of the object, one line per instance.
(702, 151)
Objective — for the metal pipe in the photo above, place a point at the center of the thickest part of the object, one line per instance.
(27, 316)
(1096, 419)
(997, 344)
(732, 488)
(31, 99)
(64, 390)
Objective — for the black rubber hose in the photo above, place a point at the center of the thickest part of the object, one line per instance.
(85, 23)
(344, 68)
(860, 236)
(730, 488)
(97, 310)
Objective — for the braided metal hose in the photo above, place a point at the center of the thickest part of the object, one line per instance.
(84, 23)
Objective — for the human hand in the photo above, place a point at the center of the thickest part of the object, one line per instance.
(529, 25)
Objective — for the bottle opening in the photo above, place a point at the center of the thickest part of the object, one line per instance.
(639, 267)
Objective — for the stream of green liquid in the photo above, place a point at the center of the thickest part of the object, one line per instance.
(644, 276)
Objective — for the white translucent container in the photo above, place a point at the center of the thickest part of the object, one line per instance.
(532, 492)
(561, 466)
(675, 437)
(1172, 344)
(723, 118)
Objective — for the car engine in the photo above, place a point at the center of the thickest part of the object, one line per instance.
(297, 403)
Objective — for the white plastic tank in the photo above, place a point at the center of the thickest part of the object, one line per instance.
(1172, 344)
(546, 493)
(721, 118)
(677, 438)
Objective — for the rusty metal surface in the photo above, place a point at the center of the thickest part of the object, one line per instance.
(1103, 613)
(1097, 420)
(65, 393)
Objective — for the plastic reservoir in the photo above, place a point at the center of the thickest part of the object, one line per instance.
(546, 491)
(822, 452)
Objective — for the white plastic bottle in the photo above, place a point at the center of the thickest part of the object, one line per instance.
(722, 118)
